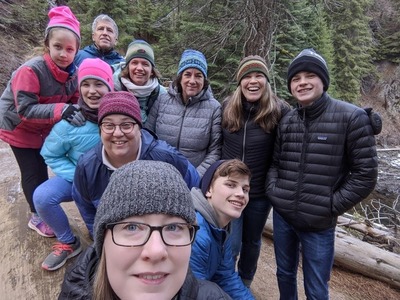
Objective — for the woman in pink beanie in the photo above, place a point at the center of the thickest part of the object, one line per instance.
(61, 151)
(40, 93)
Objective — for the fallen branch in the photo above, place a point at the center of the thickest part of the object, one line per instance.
(379, 235)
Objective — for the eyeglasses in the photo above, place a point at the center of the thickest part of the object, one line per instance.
(132, 234)
(109, 128)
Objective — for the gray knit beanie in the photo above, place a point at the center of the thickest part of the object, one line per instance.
(139, 188)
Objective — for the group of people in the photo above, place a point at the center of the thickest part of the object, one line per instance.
(137, 157)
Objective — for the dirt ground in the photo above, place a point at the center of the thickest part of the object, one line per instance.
(22, 251)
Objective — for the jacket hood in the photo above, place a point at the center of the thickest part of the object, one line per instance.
(205, 209)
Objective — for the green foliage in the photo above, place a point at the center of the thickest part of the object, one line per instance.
(386, 29)
(31, 19)
(339, 30)
(302, 25)
(352, 43)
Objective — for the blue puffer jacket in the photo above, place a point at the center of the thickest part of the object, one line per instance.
(92, 176)
(211, 257)
(91, 51)
(65, 144)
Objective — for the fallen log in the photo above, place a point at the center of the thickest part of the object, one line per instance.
(383, 236)
(360, 257)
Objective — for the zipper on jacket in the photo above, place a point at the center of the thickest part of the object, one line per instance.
(180, 128)
(244, 133)
(302, 160)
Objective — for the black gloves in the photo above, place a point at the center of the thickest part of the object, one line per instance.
(72, 113)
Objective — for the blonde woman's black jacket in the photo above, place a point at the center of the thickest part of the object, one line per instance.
(252, 145)
(77, 284)
(324, 163)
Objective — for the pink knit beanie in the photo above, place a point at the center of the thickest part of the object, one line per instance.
(95, 68)
(62, 16)
(120, 103)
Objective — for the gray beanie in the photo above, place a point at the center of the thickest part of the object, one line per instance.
(139, 188)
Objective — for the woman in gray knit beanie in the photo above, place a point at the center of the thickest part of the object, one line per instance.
(144, 228)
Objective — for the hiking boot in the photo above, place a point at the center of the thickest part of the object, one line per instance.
(36, 223)
(61, 252)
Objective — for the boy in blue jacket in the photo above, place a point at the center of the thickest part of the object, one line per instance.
(223, 195)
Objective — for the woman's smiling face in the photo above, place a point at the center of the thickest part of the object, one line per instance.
(253, 86)
(152, 271)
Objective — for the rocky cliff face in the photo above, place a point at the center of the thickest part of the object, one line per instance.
(382, 92)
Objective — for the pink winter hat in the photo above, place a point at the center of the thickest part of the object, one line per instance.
(62, 16)
(95, 68)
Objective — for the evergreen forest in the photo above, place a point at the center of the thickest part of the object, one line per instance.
(352, 35)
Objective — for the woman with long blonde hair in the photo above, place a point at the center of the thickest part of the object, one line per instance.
(249, 119)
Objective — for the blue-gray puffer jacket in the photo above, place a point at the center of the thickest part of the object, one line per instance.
(194, 129)
(324, 163)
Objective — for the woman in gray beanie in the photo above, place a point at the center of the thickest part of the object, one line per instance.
(188, 116)
(144, 228)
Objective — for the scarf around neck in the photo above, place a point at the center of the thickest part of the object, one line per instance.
(90, 114)
(140, 90)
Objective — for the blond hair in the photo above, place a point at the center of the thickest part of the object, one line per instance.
(102, 289)
(267, 116)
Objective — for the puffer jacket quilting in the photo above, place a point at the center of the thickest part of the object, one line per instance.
(325, 162)
(194, 129)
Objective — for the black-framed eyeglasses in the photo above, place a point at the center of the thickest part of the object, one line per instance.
(125, 127)
(134, 234)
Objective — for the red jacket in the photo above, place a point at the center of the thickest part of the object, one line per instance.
(33, 101)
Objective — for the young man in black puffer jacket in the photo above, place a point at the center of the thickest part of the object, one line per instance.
(324, 163)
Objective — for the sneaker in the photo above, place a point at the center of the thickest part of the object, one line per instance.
(61, 252)
(37, 224)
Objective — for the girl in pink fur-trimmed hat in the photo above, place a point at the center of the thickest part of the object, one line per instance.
(40, 93)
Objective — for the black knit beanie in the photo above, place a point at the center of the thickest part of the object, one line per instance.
(139, 188)
(208, 176)
(310, 61)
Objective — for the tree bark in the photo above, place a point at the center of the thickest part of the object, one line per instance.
(260, 26)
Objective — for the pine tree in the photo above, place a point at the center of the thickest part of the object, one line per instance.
(302, 24)
(352, 43)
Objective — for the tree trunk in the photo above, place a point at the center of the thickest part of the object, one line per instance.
(260, 26)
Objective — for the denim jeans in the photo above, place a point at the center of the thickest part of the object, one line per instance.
(246, 236)
(48, 198)
(317, 249)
